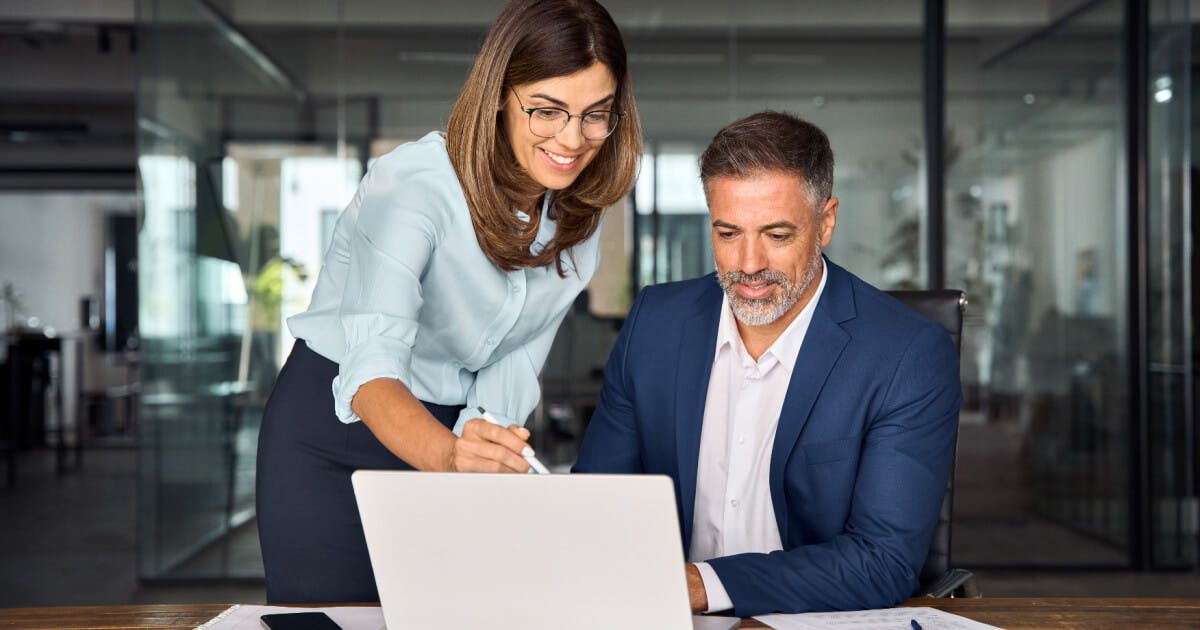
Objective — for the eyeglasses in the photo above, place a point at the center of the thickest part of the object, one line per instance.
(547, 122)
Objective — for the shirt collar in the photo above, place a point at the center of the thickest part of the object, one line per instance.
(787, 347)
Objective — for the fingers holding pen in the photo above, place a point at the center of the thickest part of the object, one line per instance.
(512, 437)
(488, 447)
(527, 451)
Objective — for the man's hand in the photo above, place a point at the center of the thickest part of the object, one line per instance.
(488, 447)
(696, 592)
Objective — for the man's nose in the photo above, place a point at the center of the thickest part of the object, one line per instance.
(753, 256)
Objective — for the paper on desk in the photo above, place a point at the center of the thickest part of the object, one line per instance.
(245, 617)
(714, 622)
(897, 618)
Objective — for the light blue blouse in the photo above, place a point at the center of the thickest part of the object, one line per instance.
(406, 293)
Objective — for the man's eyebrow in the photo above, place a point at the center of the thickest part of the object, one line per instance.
(564, 105)
(778, 225)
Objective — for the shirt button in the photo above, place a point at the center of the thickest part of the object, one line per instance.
(733, 502)
(516, 288)
(491, 341)
(741, 439)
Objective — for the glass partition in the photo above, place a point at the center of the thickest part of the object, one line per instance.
(1036, 227)
(239, 166)
(1170, 337)
(258, 117)
(854, 70)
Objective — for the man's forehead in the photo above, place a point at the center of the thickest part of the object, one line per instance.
(758, 201)
(758, 175)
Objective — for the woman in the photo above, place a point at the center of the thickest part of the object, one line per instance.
(448, 276)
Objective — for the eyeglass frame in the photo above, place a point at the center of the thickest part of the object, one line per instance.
(530, 110)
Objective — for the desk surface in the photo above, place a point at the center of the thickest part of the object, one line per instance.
(1011, 613)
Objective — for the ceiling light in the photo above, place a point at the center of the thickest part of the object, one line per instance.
(1162, 89)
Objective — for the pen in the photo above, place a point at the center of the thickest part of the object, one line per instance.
(915, 625)
(538, 466)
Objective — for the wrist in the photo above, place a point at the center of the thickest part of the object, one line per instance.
(448, 460)
(696, 593)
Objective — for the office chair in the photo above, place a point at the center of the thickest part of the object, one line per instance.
(937, 579)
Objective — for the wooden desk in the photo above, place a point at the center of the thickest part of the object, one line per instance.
(1011, 613)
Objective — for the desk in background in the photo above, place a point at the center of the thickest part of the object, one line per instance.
(1011, 613)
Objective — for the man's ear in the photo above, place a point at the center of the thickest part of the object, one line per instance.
(828, 221)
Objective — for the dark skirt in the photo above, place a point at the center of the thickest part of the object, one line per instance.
(312, 539)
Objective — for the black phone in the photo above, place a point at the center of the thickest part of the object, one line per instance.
(299, 621)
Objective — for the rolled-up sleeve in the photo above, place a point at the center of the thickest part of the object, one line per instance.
(392, 242)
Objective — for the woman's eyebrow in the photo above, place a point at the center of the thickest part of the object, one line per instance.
(564, 105)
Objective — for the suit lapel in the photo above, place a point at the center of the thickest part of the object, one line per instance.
(698, 341)
(823, 344)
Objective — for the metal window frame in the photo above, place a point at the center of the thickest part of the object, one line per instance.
(1137, 72)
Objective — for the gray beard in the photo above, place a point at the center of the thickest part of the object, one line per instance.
(761, 312)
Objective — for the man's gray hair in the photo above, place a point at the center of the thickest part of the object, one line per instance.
(772, 141)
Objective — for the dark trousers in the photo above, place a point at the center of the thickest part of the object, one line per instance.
(312, 539)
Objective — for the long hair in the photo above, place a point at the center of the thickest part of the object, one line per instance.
(534, 40)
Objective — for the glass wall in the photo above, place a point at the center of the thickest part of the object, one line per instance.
(854, 69)
(1037, 225)
(240, 169)
(1170, 339)
(249, 155)
(258, 117)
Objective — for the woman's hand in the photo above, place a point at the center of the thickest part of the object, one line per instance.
(488, 447)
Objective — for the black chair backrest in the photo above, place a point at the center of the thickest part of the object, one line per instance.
(944, 306)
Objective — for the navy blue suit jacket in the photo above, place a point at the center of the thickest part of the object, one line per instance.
(861, 455)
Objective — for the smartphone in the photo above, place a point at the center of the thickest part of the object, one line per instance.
(299, 621)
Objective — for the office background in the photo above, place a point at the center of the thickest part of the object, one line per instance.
(170, 171)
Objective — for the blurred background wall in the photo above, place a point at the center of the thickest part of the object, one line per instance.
(1036, 154)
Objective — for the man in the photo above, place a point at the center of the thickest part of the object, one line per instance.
(807, 419)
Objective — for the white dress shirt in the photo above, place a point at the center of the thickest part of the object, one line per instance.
(733, 511)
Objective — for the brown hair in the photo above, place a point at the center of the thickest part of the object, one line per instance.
(772, 141)
(534, 40)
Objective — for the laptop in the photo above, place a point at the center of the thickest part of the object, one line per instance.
(535, 552)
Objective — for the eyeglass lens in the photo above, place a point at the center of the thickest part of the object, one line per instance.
(548, 122)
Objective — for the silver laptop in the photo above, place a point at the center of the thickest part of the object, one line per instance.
(524, 551)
